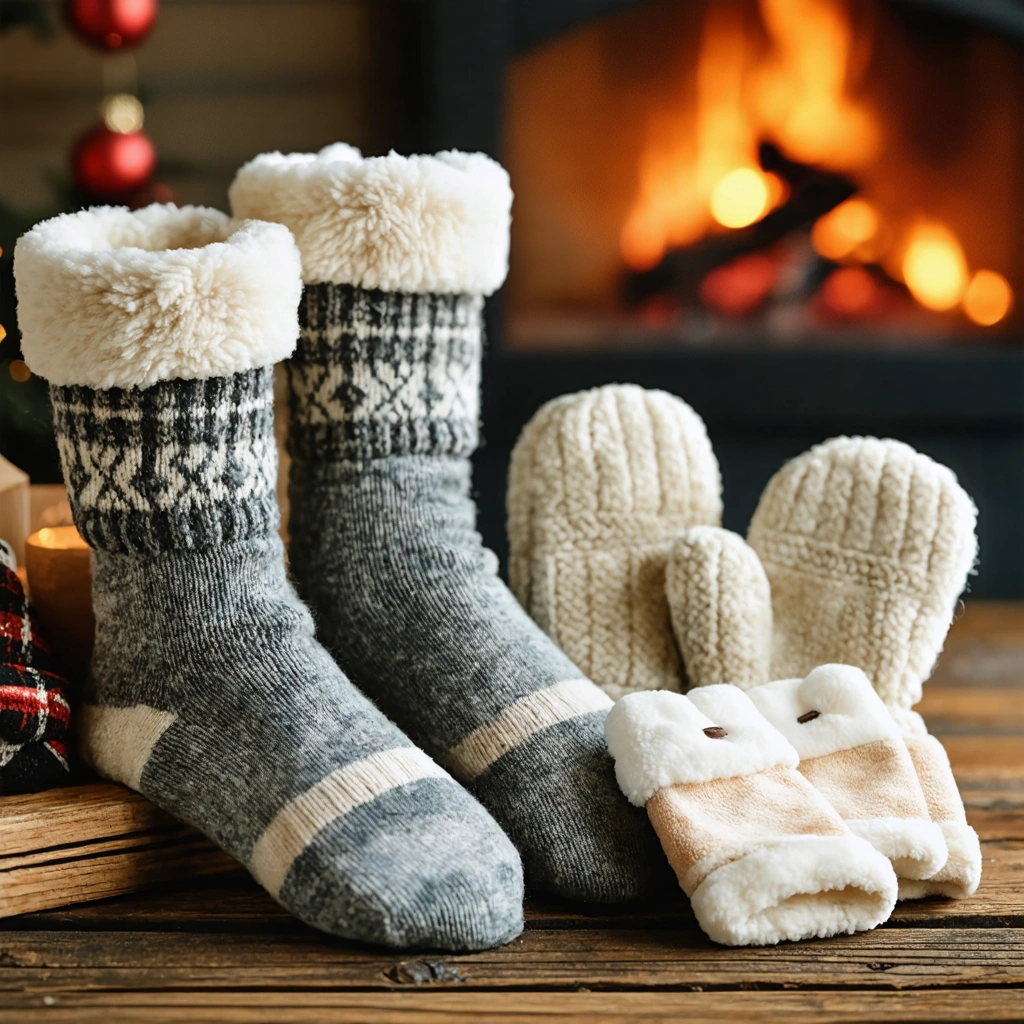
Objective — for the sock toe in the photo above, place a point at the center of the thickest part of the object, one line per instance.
(423, 866)
(557, 798)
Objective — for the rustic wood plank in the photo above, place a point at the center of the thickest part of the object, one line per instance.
(234, 903)
(577, 1007)
(90, 842)
(887, 958)
(74, 814)
(977, 710)
(222, 950)
(977, 759)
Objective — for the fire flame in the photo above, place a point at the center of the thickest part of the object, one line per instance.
(696, 174)
(699, 172)
(934, 267)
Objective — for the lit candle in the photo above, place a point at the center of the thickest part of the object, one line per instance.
(60, 586)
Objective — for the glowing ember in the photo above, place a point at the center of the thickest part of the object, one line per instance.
(741, 286)
(740, 198)
(846, 228)
(850, 293)
(934, 267)
(988, 298)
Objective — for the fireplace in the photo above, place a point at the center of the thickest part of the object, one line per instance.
(804, 217)
(769, 173)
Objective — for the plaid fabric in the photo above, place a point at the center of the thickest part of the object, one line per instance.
(34, 712)
(377, 374)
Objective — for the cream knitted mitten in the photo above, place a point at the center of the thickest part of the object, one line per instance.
(867, 545)
(601, 483)
(721, 608)
(760, 853)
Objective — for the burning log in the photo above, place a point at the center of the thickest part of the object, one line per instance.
(813, 193)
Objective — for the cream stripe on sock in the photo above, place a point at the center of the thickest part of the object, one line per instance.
(521, 720)
(298, 822)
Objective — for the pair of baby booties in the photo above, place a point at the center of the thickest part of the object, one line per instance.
(794, 790)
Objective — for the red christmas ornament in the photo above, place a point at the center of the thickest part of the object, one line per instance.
(111, 24)
(112, 164)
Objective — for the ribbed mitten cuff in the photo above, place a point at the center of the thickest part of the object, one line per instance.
(180, 464)
(379, 374)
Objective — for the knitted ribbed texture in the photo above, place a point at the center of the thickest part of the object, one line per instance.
(385, 550)
(867, 545)
(601, 483)
(209, 694)
(721, 608)
(384, 373)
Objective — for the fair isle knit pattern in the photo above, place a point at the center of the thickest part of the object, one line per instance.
(184, 464)
(385, 550)
(380, 373)
(210, 695)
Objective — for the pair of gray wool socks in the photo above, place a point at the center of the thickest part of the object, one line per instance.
(209, 692)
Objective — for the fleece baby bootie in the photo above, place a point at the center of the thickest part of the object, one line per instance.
(208, 692)
(867, 545)
(760, 853)
(601, 483)
(397, 255)
(851, 752)
(34, 711)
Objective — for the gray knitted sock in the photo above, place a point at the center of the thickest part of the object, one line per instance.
(384, 413)
(208, 692)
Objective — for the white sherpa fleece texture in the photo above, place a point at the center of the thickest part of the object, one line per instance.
(657, 739)
(113, 298)
(850, 713)
(398, 223)
(915, 848)
(800, 888)
(958, 878)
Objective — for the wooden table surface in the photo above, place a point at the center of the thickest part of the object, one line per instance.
(221, 950)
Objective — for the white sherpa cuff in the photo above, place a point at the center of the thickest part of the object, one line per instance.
(800, 887)
(660, 739)
(113, 298)
(834, 708)
(398, 223)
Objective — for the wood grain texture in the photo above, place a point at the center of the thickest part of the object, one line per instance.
(91, 842)
(218, 949)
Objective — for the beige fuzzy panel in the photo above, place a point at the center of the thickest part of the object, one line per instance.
(601, 483)
(960, 875)
(867, 545)
(721, 608)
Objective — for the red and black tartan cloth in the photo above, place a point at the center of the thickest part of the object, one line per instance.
(34, 712)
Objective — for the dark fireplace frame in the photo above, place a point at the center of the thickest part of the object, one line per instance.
(963, 405)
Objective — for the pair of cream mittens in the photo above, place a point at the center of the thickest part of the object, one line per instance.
(857, 554)
(760, 851)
